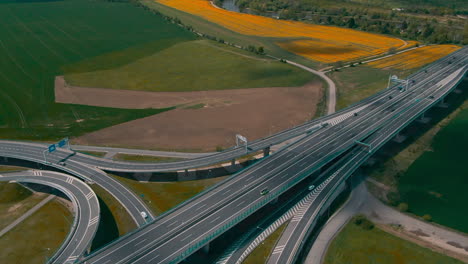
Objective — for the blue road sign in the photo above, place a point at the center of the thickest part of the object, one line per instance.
(62, 143)
(52, 148)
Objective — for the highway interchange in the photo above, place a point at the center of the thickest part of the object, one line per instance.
(85, 205)
(176, 234)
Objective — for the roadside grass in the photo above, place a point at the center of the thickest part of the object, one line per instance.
(6, 168)
(162, 196)
(39, 40)
(356, 245)
(94, 153)
(38, 237)
(427, 170)
(195, 66)
(356, 83)
(114, 221)
(203, 26)
(143, 158)
(435, 183)
(263, 251)
(15, 200)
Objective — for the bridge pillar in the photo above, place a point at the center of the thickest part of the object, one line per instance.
(5, 159)
(442, 104)
(233, 162)
(423, 119)
(266, 151)
(206, 248)
(457, 91)
(399, 138)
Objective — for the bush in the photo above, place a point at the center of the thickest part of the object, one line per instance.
(393, 198)
(367, 225)
(363, 222)
(358, 219)
(403, 207)
(219, 148)
(427, 217)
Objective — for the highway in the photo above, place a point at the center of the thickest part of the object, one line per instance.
(291, 241)
(34, 152)
(178, 233)
(86, 210)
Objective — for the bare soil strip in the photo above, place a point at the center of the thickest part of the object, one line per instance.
(254, 113)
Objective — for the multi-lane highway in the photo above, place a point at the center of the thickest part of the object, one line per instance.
(85, 205)
(34, 152)
(292, 239)
(178, 233)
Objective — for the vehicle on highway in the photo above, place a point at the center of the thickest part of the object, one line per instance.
(144, 215)
(264, 192)
(311, 187)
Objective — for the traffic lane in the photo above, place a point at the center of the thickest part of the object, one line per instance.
(296, 234)
(82, 233)
(129, 201)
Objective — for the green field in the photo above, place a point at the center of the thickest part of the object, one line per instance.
(261, 253)
(162, 196)
(435, 183)
(356, 83)
(355, 245)
(49, 227)
(39, 39)
(195, 66)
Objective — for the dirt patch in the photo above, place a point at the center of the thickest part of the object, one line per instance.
(254, 113)
(419, 233)
(65, 93)
(424, 242)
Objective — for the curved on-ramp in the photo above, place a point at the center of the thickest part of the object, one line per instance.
(85, 204)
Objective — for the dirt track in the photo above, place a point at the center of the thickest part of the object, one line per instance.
(254, 113)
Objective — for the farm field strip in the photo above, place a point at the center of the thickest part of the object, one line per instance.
(344, 44)
(414, 58)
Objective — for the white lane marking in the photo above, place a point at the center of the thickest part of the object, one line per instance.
(93, 221)
(200, 207)
(214, 220)
(89, 196)
(241, 203)
(143, 240)
(173, 223)
(187, 237)
(149, 261)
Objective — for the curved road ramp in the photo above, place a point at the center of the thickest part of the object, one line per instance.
(85, 205)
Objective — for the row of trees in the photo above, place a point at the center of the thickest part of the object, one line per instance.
(432, 30)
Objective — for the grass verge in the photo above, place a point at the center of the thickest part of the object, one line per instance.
(263, 251)
(162, 196)
(38, 237)
(356, 244)
(143, 158)
(94, 153)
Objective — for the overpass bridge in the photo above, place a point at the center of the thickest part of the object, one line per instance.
(85, 208)
(192, 225)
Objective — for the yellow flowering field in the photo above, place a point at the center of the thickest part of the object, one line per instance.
(321, 43)
(414, 58)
